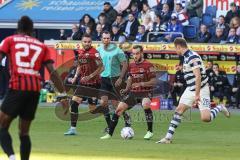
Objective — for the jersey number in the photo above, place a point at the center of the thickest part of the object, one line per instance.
(25, 53)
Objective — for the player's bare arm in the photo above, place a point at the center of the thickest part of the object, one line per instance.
(95, 73)
(124, 65)
(128, 86)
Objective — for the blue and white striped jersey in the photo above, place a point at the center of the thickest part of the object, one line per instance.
(192, 61)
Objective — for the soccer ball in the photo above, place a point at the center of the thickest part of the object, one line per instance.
(127, 133)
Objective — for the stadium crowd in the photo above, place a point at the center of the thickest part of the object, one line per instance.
(175, 16)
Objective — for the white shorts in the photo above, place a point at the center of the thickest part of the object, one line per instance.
(188, 98)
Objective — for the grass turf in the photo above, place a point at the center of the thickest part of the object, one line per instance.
(194, 139)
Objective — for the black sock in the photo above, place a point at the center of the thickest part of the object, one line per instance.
(25, 147)
(74, 113)
(6, 141)
(127, 119)
(107, 115)
(149, 118)
(113, 124)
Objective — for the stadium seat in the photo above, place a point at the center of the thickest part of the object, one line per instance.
(189, 31)
(212, 29)
(211, 10)
(207, 19)
(195, 21)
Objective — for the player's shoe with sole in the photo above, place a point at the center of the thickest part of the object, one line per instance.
(225, 111)
(148, 136)
(107, 136)
(164, 141)
(70, 132)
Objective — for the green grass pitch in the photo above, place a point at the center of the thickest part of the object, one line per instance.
(194, 140)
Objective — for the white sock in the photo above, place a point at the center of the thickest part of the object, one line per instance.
(12, 157)
(74, 128)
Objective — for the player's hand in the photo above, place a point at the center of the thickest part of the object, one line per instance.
(74, 79)
(197, 100)
(118, 82)
(85, 79)
(212, 88)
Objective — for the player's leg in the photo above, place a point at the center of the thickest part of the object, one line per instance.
(5, 137)
(120, 109)
(25, 141)
(149, 117)
(92, 103)
(185, 102)
(207, 114)
(126, 116)
(26, 116)
(74, 115)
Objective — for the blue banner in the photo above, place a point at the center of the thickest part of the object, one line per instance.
(51, 11)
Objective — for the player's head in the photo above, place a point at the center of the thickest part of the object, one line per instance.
(25, 25)
(215, 67)
(106, 37)
(180, 45)
(86, 41)
(137, 52)
(209, 64)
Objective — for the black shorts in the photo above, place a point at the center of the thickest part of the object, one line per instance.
(108, 85)
(133, 98)
(20, 103)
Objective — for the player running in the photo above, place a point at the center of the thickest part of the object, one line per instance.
(140, 83)
(89, 68)
(196, 93)
(26, 55)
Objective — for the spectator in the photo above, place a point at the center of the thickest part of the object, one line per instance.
(182, 2)
(218, 37)
(141, 35)
(159, 6)
(119, 22)
(165, 13)
(117, 34)
(90, 32)
(130, 27)
(173, 26)
(195, 8)
(235, 23)
(146, 12)
(76, 33)
(63, 36)
(203, 36)
(181, 14)
(158, 26)
(86, 21)
(97, 36)
(210, 74)
(102, 19)
(134, 10)
(221, 24)
(234, 12)
(232, 37)
(179, 84)
(140, 3)
(148, 23)
(221, 86)
(236, 86)
(110, 13)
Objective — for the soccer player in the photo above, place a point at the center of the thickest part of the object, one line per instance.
(26, 55)
(196, 93)
(115, 67)
(140, 83)
(89, 69)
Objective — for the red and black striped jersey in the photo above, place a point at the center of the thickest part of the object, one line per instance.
(141, 72)
(26, 56)
(88, 62)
